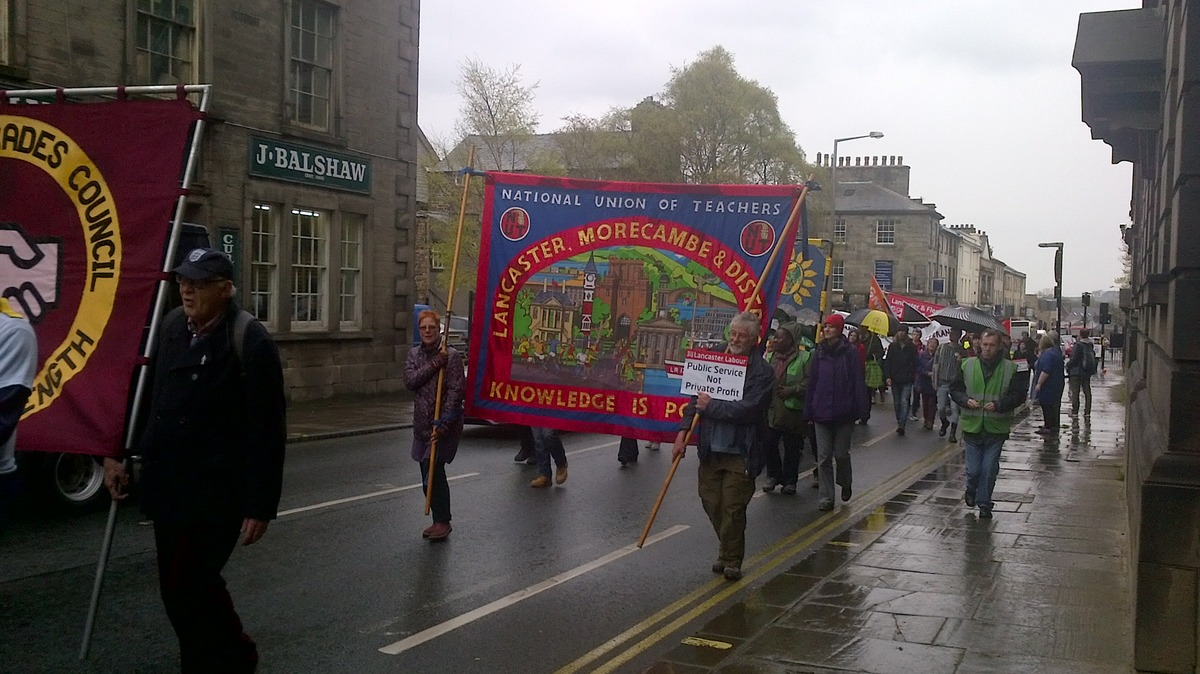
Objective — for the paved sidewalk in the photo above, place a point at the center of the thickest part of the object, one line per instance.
(348, 415)
(920, 584)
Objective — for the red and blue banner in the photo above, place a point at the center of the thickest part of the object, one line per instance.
(589, 293)
(87, 195)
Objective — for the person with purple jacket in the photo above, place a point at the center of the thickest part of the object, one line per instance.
(836, 398)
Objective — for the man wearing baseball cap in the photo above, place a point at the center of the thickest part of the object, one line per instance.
(212, 447)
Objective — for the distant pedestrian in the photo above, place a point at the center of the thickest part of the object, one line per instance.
(18, 365)
(914, 405)
(1049, 387)
(526, 454)
(627, 451)
(785, 417)
(548, 445)
(987, 391)
(836, 397)
(1080, 369)
(900, 369)
(947, 361)
(924, 386)
(729, 436)
(444, 426)
(875, 353)
(212, 451)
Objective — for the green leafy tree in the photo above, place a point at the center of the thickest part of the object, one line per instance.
(729, 127)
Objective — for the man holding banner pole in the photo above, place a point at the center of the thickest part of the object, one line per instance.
(730, 447)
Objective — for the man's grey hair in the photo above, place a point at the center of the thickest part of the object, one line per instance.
(748, 320)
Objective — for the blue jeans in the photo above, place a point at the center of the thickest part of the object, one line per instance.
(547, 445)
(947, 408)
(983, 465)
(901, 400)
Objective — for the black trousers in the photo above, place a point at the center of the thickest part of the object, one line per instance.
(439, 500)
(191, 556)
(627, 451)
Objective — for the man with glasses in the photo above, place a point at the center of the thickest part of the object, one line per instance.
(212, 446)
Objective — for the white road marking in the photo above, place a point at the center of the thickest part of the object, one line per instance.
(360, 497)
(872, 441)
(504, 602)
(593, 448)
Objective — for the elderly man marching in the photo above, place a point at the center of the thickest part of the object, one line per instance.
(730, 446)
(987, 391)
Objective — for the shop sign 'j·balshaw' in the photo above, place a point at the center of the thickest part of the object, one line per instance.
(280, 160)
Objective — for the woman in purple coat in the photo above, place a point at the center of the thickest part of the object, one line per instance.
(421, 377)
(836, 398)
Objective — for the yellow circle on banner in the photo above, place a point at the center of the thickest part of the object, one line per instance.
(53, 151)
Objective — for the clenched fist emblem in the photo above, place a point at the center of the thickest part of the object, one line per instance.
(29, 270)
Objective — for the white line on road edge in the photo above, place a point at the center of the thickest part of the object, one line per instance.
(360, 497)
(872, 441)
(504, 602)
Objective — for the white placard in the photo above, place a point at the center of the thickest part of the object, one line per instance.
(720, 375)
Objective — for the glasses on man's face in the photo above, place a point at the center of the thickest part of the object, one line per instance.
(197, 284)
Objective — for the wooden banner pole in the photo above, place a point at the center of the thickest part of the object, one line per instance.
(437, 404)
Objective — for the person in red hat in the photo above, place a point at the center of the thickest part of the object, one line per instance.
(835, 399)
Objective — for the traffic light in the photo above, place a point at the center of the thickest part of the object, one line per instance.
(1105, 317)
(1086, 299)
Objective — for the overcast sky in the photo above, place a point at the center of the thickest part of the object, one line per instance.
(980, 99)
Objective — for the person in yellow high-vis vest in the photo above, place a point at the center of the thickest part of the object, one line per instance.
(987, 391)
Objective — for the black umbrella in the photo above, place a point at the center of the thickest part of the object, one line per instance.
(967, 319)
(911, 315)
(874, 320)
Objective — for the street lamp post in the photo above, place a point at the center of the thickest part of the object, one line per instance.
(1058, 260)
(834, 184)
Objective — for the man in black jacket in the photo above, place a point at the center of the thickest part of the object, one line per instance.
(900, 368)
(212, 445)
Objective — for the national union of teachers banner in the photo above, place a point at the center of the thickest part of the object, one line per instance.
(590, 292)
(87, 195)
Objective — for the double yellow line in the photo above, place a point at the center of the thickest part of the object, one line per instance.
(704, 598)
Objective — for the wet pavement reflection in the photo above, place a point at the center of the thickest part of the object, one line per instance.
(922, 584)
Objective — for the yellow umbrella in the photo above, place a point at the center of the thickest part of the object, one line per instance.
(878, 322)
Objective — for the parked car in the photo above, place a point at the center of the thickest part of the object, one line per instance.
(458, 333)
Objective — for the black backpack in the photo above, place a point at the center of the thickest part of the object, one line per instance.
(1087, 360)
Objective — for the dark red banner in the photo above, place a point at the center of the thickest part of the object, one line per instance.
(87, 195)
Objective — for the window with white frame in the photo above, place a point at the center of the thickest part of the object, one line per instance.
(351, 269)
(311, 63)
(437, 261)
(309, 267)
(885, 231)
(839, 231)
(166, 45)
(837, 276)
(264, 261)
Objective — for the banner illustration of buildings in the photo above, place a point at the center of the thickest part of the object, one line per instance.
(590, 292)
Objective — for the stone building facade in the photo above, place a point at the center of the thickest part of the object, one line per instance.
(1140, 69)
(324, 264)
(880, 230)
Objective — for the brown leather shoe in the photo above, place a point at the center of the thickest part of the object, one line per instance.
(560, 476)
(428, 530)
(540, 482)
(440, 531)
